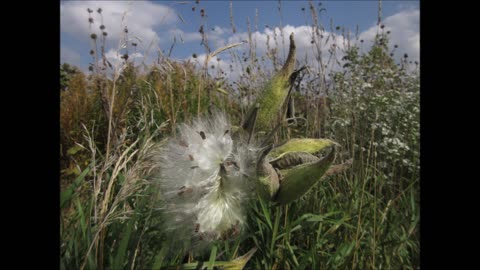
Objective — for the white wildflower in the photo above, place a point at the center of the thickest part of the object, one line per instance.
(204, 180)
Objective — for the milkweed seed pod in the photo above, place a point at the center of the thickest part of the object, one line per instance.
(274, 94)
(288, 171)
(299, 168)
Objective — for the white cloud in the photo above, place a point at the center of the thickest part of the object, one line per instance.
(404, 27)
(183, 36)
(307, 53)
(405, 32)
(218, 37)
(115, 58)
(219, 64)
(142, 18)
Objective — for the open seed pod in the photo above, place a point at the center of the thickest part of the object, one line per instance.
(288, 171)
(300, 169)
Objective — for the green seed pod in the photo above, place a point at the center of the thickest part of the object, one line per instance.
(287, 165)
(271, 99)
(298, 180)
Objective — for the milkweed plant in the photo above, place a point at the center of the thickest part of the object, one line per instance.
(208, 174)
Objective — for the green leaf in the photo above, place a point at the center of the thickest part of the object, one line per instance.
(120, 257)
(223, 91)
(83, 224)
(298, 227)
(211, 261)
(275, 229)
(66, 195)
(266, 213)
(159, 258)
(73, 150)
(290, 248)
(319, 218)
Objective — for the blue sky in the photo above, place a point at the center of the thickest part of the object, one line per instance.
(158, 22)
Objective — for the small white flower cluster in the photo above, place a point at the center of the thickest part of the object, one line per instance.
(205, 179)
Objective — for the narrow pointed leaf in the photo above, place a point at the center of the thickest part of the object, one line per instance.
(66, 195)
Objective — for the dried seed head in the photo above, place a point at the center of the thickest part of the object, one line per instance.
(89, 10)
(90, 20)
(99, 10)
(102, 27)
(203, 183)
(93, 36)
